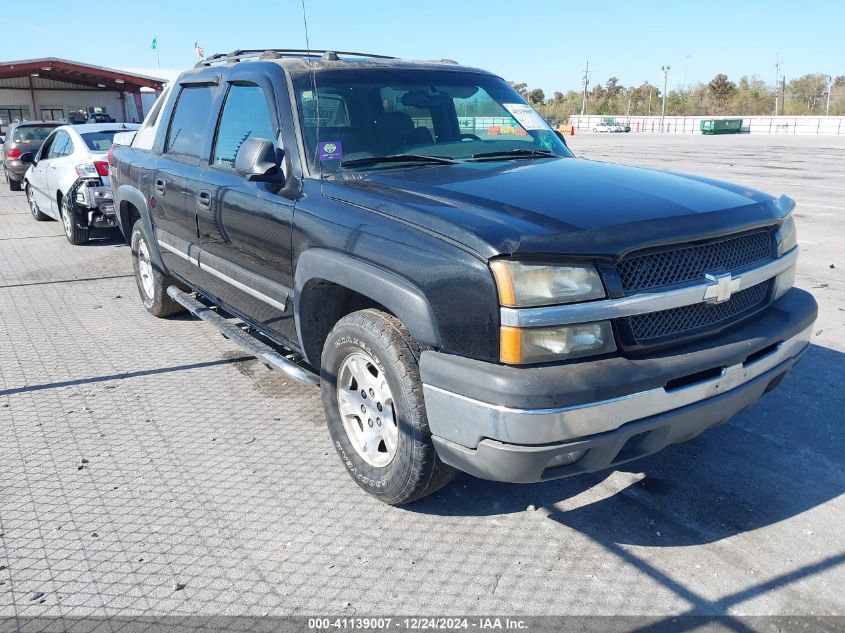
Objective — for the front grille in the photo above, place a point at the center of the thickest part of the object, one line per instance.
(690, 263)
(646, 328)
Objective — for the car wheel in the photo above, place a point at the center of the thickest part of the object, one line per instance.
(33, 205)
(152, 283)
(75, 235)
(15, 185)
(373, 399)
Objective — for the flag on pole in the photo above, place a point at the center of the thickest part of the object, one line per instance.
(154, 45)
(199, 50)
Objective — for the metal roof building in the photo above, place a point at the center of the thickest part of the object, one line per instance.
(54, 89)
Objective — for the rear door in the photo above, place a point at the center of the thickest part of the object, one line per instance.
(173, 204)
(60, 165)
(245, 227)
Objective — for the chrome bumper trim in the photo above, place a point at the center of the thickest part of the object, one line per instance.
(451, 411)
(641, 303)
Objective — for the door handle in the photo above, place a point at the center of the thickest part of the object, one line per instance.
(160, 186)
(204, 200)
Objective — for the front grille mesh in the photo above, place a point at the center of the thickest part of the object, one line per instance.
(690, 263)
(687, 319)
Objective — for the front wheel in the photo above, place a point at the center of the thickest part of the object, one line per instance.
(374, 407)
(76, 235)
(33, 205)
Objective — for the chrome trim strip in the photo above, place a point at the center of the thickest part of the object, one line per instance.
(178, 253)
(243, 287)
(639, 303)
(451, 413)
(216, 273)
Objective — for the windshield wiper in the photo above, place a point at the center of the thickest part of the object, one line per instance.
(398, 158)
(516, 153)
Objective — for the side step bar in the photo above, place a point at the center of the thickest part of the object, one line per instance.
(265, 353)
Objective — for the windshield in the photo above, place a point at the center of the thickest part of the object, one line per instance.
(366, 114)
(32, 133)
(100, 141)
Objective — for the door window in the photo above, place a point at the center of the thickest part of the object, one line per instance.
(60, 145)
(245, 116)
(186, 136)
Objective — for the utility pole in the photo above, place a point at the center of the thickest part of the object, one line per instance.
(586, 83)
(686, 64)
(777, 81)
(649, 97)
(829, 90)
(665, 70)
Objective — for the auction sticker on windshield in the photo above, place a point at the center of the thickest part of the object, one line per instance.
(526, 116)
(330, 150)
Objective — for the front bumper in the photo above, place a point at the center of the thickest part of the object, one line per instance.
(533, 424)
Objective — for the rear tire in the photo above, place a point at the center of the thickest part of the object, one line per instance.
(15, 185)
(377, 417)
(33, 206)
(152, 283)
(75, 235)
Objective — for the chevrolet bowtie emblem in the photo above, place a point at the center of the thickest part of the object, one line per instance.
(721, 287)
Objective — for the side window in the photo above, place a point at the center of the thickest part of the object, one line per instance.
(245, 116)
(57, 150)
(47, 147)
(186, 136)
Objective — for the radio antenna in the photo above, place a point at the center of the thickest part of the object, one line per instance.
(313, 83)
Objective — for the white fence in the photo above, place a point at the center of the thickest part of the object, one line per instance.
(829, 125)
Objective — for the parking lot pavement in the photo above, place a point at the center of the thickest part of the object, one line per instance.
(148, 467)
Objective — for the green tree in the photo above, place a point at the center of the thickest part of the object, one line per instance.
(537, 96)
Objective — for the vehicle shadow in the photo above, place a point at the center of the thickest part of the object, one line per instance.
(773, 461)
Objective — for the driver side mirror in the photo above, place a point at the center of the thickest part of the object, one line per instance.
(27, 157)
(258, 160)
(562, 138)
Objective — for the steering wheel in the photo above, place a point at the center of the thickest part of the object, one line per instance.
(470, 137)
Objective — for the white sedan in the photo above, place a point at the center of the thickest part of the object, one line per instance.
(68, 179)
(608, 127)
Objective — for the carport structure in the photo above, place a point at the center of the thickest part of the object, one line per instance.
(50, 88)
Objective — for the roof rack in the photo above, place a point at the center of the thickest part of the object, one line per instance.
(278, 53)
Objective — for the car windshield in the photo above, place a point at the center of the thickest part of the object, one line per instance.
(32, 133)
(415, 118)
(99, 141)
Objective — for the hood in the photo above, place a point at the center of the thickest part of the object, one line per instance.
(559, 206)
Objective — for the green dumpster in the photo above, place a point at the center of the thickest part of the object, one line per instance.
(721, 126)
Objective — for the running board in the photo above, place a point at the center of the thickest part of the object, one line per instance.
(264, 353)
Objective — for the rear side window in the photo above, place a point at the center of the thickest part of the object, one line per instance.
(245, 116)
(186, 136)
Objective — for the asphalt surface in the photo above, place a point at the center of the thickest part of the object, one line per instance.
(148, 467)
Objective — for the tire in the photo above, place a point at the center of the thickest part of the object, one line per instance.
(152, 283)
(33, 206)
(372, 349)
(74, 234)
(15, 185)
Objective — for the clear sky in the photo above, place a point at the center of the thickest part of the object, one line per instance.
(543, 42)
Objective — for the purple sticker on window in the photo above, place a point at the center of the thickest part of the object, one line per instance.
(330, 150)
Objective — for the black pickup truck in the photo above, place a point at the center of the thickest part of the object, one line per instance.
(414, 238)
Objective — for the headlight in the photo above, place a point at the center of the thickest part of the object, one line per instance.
(787, 237)
(787, 240)
(523, 284)
(520, 346)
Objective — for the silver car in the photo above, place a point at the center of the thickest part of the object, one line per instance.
(68, 178)
(22, 138)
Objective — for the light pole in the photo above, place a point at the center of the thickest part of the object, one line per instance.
(665, 70)
(649, 97)
(829, 90)
(686, 64)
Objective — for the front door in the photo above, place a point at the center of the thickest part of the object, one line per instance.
(245, 227)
